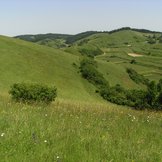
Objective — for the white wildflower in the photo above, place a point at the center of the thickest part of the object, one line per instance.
(2, 134)
(58, 157)
(45, 141)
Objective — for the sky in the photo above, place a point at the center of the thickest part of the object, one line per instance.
(74, 16)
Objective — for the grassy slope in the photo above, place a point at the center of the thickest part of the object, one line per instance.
(71, 132)
(118, 45)
(116, 74)
(27, 62)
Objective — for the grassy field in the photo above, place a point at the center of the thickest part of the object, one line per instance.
(75, 131)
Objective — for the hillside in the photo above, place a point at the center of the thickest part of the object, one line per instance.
(113, 51)
(27, 62)
(123, 46)
(68, 131)
(116, 47)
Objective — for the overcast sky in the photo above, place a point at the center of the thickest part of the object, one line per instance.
(74, 16)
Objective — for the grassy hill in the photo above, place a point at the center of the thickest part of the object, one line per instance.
(27, 62)
(114, 49)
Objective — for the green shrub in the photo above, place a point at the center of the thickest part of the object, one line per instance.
(137, 78)
(88, 69)
(23, 92)
(121, 96)
(90, 51)
(133, 61)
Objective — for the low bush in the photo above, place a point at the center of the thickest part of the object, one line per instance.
(23, 92)
(137, 78)
(90, 51)
(121, 96)
(88, 69)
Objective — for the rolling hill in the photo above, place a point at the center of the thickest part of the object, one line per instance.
(113, 51)
(27, 62)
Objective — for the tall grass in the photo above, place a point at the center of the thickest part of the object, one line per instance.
(78, 132)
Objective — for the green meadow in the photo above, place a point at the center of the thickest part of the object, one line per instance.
(74, 131)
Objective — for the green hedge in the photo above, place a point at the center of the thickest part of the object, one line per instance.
(137, 78)
(90, 51)
(24, 92)
(88, 69)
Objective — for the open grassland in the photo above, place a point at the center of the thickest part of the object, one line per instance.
(77, 132)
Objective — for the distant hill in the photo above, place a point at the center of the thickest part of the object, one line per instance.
(40, 37)
(70, 39)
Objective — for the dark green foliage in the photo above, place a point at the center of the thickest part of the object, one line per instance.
(33, 93)
(160, 98)
(114, 94)
(137, 78)
(82, 42)
(151, 93)
(121, 96)
(137, 99)
(90, 52)
(133, 61)
(120, 29)
(41, 37)
(133, 29)
(160, 39)
(154, 95)
(159, 86)
(88, 69)
(74, 38)
(151, 40)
